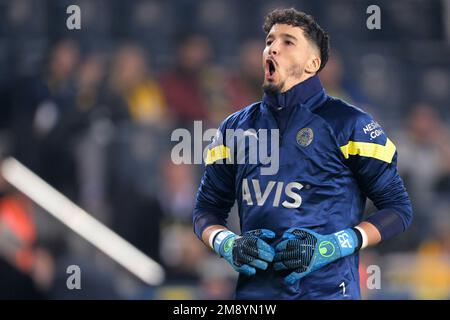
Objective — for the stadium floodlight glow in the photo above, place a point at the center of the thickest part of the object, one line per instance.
(82, 222)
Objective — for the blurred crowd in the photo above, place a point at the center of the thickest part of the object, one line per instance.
(98, 129)
(95, 122)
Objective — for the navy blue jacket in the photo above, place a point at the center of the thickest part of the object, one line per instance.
(332, 157)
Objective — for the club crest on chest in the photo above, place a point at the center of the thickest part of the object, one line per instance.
(304, 137)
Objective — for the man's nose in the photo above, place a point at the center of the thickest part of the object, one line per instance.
(274, 50)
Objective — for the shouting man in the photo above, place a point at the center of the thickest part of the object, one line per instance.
(303, 226)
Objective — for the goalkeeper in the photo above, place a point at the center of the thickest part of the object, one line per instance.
(303, 226)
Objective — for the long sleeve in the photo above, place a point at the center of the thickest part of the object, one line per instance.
(372, 158)
(216, 194)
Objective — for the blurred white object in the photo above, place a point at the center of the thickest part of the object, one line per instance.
(82, 222)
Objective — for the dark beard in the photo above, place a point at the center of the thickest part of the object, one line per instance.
(272, 88)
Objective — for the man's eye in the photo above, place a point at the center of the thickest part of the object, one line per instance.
(289, 42)
(269, 42)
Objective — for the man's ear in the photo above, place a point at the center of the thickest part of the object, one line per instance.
(313, 64)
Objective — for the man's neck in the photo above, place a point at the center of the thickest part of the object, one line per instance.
(304, 77)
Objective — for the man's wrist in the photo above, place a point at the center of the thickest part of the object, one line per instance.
(213, 235)
(364, 237)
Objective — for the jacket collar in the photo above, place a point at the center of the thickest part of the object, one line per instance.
(298, 94)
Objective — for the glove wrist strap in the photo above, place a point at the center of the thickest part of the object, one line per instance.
(219, 238)
(348, 241)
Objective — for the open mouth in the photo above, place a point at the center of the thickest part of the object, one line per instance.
(270, 66)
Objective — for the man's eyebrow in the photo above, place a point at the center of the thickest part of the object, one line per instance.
(269, 36)
(285, 35)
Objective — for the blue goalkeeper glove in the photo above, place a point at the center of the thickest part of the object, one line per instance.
(245, 252)
(304, 251)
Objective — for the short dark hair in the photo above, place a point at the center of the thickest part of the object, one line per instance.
(311, 29)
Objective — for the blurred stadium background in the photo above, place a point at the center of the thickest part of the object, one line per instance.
(92, 110)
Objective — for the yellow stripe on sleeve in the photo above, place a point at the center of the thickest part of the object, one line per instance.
(372, 150)
(217, 153)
